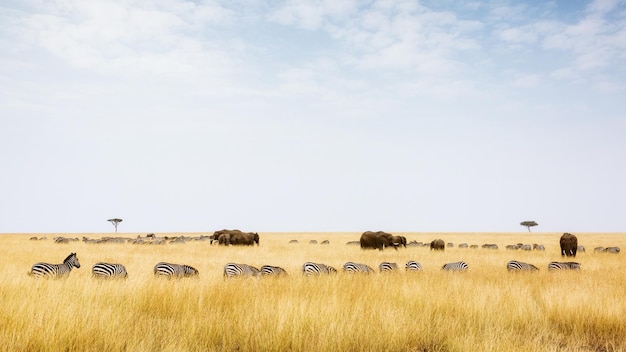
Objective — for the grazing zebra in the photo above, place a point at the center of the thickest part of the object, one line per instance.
(109, 271)
(456, 266)
(269, 270)
(234, 270)
(386, 267)
(412, 265)
(514, 265)
(351, 267)
(55, 271)
(563, 266)
(310, 268)
(174, 270)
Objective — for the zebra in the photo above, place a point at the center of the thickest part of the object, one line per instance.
(269, 270)
(351, 267)
(563, 266)
(612, 250)
(55, 270)
(174, 270)
(386, 267)
(514, 265)
(310, 268)
(233, 270)
(456, 266)
(412, 265)
(109, 271)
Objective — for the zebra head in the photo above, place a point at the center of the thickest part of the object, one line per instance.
(190, 271)
(72, 261)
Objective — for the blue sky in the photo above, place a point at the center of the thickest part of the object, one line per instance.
(424, 116)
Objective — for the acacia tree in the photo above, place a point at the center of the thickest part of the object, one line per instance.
(528, 224)
(115, 222)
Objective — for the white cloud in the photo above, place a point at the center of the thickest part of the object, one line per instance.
(527, 81)
(602, 7)
(135, 40)
(312, 14)
(518, 35)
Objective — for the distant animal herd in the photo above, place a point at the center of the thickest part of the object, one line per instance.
(369, 240)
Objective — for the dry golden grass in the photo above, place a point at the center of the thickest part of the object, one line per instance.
(484, 309)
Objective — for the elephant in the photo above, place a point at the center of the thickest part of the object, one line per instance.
(569, 245)
(244, 238)
(438, 245)
(399, 241)
(377, 240)
(235, 237)
(216, 235)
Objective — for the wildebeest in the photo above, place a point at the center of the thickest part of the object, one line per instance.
(569, 245)
(612, 250)
(235, 237)
(607, 250)
(377, 240)
(489, 246)
(438, 245)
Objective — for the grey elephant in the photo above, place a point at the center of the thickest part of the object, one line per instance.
(399, 241)
(438, 245)
(245, 239)
(216, 235)
(235, 237)
(377, 240)
(569, 245)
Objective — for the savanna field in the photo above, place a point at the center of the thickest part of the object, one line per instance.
(486, 308)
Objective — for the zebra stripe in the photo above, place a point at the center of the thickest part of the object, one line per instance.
(109, 271)
(353, 268)
(235, 270)
(269, 270)
(170, 270)
(310, 268)
(412, 265)
(514, 265)
(55, 271)
(563, 266)
(456, 266)
(386, 267)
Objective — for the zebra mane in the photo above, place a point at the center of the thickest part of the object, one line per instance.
(68, 257)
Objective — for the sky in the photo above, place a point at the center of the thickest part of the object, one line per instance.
(316, 115)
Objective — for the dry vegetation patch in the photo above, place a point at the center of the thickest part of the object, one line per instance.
(483, 309)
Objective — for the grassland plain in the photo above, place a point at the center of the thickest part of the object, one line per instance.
(484, 309)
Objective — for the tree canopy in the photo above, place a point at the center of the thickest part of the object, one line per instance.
(115, 222)
(528, 224)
